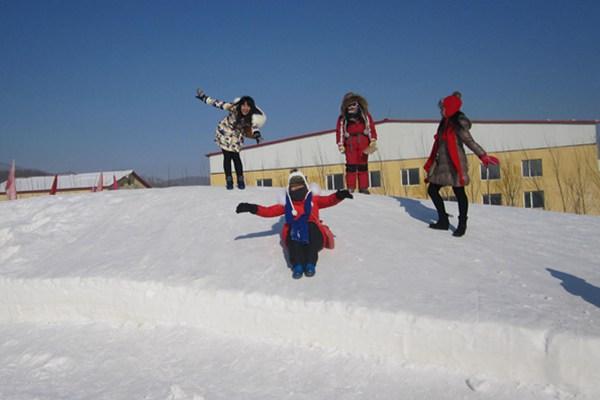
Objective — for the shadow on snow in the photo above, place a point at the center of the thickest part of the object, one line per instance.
(578, 287)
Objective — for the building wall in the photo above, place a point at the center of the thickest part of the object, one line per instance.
(569, 154)
(570, 179)
(399, 140)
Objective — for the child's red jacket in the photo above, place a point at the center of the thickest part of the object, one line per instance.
(277, 210)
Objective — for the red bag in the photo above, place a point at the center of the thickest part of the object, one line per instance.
(328, 241)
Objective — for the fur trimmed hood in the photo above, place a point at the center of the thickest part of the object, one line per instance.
(349, 98)
(259, 118)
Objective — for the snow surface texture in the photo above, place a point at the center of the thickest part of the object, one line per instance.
(515, 304)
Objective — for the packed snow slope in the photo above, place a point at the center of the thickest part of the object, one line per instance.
(516, 299)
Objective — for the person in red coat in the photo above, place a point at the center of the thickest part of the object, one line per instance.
(356, 137)
(303, 232)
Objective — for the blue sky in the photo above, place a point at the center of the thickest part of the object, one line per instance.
(100, 85)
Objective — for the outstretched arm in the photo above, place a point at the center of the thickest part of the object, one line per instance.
(333, 198)
(223, 105)
(467, 139)
(262, 211)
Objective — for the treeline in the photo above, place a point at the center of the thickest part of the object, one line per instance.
(21, 172)
(185, 181)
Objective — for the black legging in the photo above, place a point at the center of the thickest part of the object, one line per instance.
(228, 156)
(306, 253)
(459, 191)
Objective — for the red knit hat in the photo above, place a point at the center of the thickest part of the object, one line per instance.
(451, 105)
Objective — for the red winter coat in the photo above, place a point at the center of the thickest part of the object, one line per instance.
(355, 136)
(318, 202)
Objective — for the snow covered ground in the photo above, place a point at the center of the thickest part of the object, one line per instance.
(168, 294)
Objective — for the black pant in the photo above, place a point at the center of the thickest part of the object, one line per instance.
(303, 254)
(229, 156)
(459, 191)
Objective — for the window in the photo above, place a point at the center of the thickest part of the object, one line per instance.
(335, 181)
(489, 173)
(264, 182)
(375, 178)
(494, 199)
(534, 199)
(532, 168)
(410, 176)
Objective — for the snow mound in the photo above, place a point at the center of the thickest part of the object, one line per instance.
(516, 299)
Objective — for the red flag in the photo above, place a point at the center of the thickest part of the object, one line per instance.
(11, 184)
(115, 185)
(54, 185)
(100, 186)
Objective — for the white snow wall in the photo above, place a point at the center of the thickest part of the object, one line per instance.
(502, 351)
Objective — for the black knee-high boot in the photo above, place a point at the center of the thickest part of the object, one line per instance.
(434, 193)
(461, 229)
(463, 208)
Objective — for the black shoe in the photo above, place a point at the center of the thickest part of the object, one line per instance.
(229, 183)
(240, 182)
(442, 225)
(364, 191)
(461, 229)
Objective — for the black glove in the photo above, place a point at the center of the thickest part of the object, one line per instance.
(343, 194)
(246, 207)
(258, 137)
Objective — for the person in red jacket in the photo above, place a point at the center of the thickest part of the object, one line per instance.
(356, 137)
(303, 232)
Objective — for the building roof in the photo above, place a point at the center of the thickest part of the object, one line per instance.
(425, 121)
(70, 181)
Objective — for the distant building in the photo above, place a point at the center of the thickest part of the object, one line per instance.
(544, 164)
(74, 183)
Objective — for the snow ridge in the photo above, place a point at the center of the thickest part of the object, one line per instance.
(488, 304)
(494, 349)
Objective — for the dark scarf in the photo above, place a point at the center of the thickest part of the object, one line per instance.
(298, 225)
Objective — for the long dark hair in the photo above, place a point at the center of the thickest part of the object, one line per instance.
(245, 120)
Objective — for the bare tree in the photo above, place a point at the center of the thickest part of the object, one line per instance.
(510, 181)
(593, 178)
(473, 189)
(577, 184)
(447, 193)
(423, 187)
(382, 177)
(558, 173)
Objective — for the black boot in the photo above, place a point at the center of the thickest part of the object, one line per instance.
(442, 223)
(461, 228)
(229, 182)
(240, 182)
